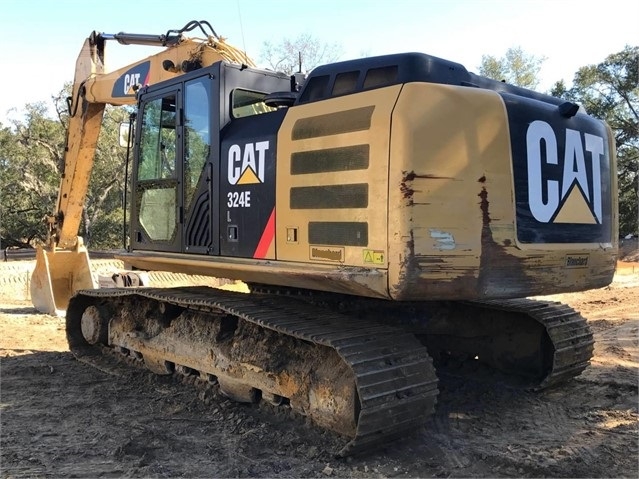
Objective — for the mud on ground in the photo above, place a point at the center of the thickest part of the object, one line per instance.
(64, 418)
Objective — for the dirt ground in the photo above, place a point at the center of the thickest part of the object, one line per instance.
(63, 418)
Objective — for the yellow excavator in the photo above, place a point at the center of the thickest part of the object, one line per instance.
(385, 213)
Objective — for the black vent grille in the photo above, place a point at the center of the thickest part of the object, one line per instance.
(329, 197)
(347, 121)
(198, 231)
(336, 233)
(344, 158)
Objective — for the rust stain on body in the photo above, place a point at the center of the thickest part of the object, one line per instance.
(411, 175)
(500, 274)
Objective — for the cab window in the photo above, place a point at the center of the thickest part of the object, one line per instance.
(158, 140)
(156, 190)
(248, 102)
(197, 138)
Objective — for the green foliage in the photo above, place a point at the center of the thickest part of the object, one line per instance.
(610, 91)
(515, 67)
(31, 164)
(300, 54)
(106, 231)
(31, 158)
(103, 210)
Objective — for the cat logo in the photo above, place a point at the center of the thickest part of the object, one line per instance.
(246, 165)
(132, 80)
(566, 192)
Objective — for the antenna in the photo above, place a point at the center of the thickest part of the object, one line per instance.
(239, 12)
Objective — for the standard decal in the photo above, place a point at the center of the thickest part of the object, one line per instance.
(267, 238)
(577, 261)
(326, 253)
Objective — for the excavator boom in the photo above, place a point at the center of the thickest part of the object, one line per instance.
(62, 264)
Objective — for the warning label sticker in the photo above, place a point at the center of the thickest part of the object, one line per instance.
(373, 256)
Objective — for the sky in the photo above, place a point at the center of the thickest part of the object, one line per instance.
(40, 39)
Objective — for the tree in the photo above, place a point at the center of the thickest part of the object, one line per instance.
(300, 54)
(610, 91)
(31, 155)
(515, 67)
(103, 208)
(32, 162)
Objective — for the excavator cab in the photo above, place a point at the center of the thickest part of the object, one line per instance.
(187, 147)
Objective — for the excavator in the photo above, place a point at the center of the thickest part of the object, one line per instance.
(385, 215)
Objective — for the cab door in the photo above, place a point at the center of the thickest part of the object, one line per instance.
(157, 186)
(201, 166)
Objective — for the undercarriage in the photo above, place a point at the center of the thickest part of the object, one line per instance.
(362, 368)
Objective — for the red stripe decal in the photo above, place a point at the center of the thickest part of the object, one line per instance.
(267, 238)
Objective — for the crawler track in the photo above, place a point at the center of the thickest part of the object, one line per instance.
(539, 343)
(536, 344)
(356, 366)
(569, 345)
(390, 370)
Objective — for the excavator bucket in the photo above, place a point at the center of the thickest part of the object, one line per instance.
(57, 275)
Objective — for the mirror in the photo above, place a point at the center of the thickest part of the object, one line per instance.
(124, 135)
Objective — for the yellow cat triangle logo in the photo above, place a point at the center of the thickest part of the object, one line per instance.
(575, 209)
(248, 177)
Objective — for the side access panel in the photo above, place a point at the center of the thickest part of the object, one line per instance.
(332, 182)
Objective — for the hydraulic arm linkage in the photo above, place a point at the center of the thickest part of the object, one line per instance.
(62, 264)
